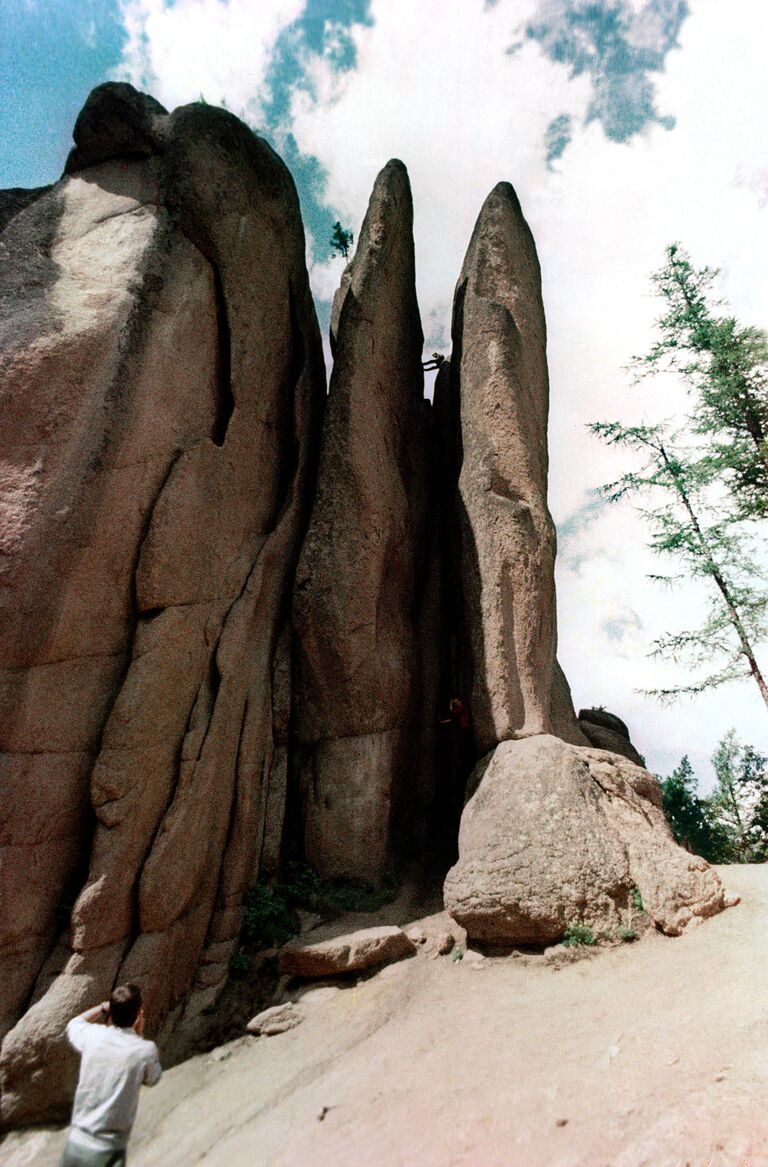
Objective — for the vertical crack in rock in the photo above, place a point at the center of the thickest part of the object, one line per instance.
(225, 399)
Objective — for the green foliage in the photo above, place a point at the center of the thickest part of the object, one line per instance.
(636, 899)
(305, 889)
(725, 365)
(690, 817)
(576, 934)
(688, 522)
(707, 480)
(239, 965)
(341, 240)
(627, 935)
(270, 913)
(457, 954)
(731, 825)
(268, 917)
(739, 803)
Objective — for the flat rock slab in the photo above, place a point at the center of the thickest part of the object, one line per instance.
(278, 1019)
(351, 953)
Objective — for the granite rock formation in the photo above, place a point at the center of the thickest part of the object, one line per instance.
(507, 537)
(162, 379)
(239, 620)
(606, 731)
(355, 606)
(555, 834)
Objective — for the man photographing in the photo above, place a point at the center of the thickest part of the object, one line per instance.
(115, 1062)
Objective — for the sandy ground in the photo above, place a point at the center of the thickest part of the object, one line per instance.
(650, 1054)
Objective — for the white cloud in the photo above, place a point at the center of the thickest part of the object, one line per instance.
(440, 92)
(217, 48)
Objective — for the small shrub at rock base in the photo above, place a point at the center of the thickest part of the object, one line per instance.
(238, 966)
(636, 899)
(577, 933)
(627, 935)
(268, 918)
(304, 888)
(457, 954)
(270, 912)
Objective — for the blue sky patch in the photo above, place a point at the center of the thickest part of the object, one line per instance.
(323, 29)
(558, 135)
(52, 53)
(619, 48)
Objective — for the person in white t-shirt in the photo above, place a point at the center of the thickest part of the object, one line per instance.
(116, 1062)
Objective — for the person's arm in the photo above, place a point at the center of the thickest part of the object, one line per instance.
(77, 1028)
(153, 1071)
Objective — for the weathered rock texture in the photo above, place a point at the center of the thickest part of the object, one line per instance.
(555, 834)
(357, 590)
(172, 707)
(161, 376)
(606, 731)
(499, 365)
(341, 954)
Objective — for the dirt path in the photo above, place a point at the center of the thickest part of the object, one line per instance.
(654, 1054)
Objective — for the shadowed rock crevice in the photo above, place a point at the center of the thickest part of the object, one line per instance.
(225, 400)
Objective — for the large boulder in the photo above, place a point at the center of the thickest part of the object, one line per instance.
(555, 834)
(355, 607)
(162, 378)
(606, 731)
(499, 366)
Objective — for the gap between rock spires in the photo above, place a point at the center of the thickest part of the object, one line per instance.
(354, 625)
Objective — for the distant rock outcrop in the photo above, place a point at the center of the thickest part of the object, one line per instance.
(162, 378)
(556, 834)
(357, 585)
(606, 731)
(499, 367)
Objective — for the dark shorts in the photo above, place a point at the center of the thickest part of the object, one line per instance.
(77, 1156)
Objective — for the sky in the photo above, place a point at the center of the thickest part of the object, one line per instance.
(624, 125)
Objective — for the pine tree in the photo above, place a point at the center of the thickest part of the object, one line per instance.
(690, 817)
(725, 365)
(341, 239)
(687, 523)
(739, 804)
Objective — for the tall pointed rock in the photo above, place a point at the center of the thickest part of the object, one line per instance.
(355, 601)
(499, 367)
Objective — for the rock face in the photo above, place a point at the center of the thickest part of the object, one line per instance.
(358, 581)
(606, 731)
(554, 834)
(227, 621)
(161, 380)
(499, 365)
(341, 954)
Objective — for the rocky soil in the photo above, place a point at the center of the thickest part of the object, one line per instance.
(647, 1055)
